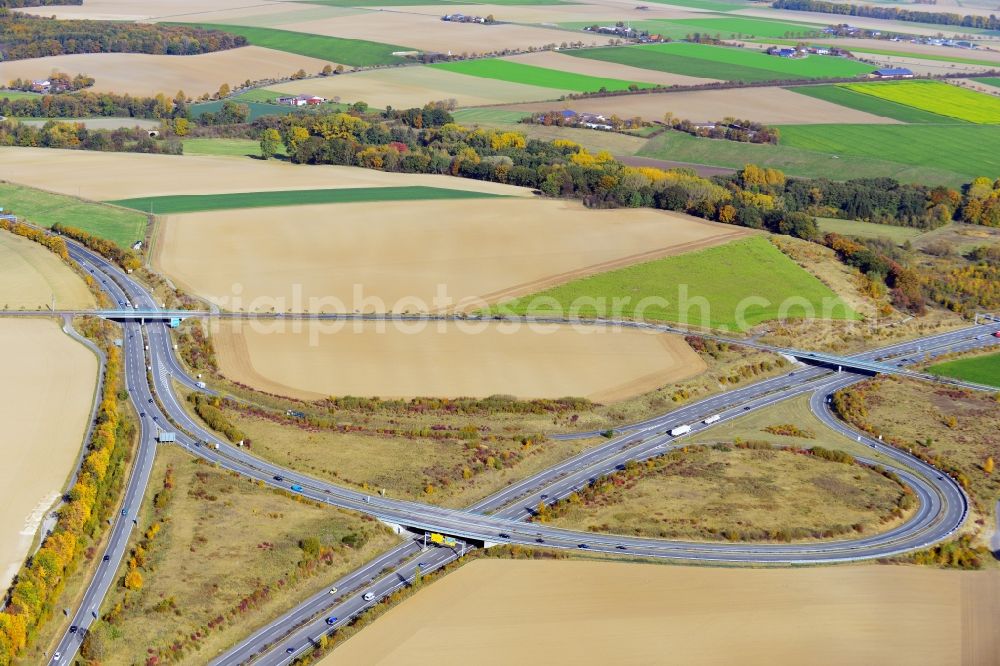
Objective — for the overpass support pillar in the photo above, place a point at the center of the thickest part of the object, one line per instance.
(396, 528)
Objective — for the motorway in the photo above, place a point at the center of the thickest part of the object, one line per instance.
(499, 518)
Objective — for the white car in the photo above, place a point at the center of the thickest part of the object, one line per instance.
(333, 590)
(56, 656)
(369, 596)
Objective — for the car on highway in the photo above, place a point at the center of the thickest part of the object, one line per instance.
(332, 620)
(56, 656)
(142, 414)
(369, 596)
(278, 477)
(106, 558)
(124, 512)
(296, 488)
(545, 496)
(333, 590)
(290, 650)
(73, 629)
(539, 540)
(503, 535)
(620, 547)
(582, 545)
(420, 565)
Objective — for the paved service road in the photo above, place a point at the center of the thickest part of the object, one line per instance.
(499, 518)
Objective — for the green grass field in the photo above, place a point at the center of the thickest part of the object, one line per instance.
(973, 150)
(191, 203)
(488, 116)
(936, 97)
(979, 369)
(867, 229)
(720, 62)
(257, 109)
(259, 95)
(838, 94)
(727, 27)
(992, 64)
(989, 80)
(123, 227)
(17, 94)
(515, 72)
(733, 287)
(354, 52)
(797, 161)
(230, 147)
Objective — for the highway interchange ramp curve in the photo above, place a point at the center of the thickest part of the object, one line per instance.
(942, 507)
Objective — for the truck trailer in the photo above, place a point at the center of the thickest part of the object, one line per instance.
(680, 430)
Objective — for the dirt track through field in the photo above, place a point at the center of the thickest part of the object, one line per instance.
(45, 400)
(475, 359)
(144, 74)
(578, 612)
(109, 176)
(765, 105)
(408, 256)
(31, 277)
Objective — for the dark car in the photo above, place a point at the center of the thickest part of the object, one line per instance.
(124, 512)
(540, 540)
(107, 558)
(278, 477)
(142, 414)
(73, 629)
(331, 620)
(150, 401)
(582, 545)
(545, 496)
(503, 535)
(621, 547)
(290, 650)
(747, 408)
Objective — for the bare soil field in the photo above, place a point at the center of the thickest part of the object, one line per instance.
(474, 360)
(144, 74)
(411, 256)
(45, 400)
(415, 86)
(31, 277)
(111, 176)
(619, 613)
(766, 105)
(565, 63)
(921, 66)
(430, 33)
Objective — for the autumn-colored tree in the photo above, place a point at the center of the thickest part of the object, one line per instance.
(133, 580)
(988, 465)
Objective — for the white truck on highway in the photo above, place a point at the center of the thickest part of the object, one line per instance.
(712, 419)
(680, 430)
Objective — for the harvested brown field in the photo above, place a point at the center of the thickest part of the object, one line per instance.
(430, 33)
(415, 86)
(475, 359)
(31, 277)
(130, 10)
(398, 256)
(45, 400)
(144, 74)
(565, 63)
(619, 613)
(109, 176)
(599, 12)
(766, 105)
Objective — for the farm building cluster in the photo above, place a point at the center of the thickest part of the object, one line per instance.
(466, 18)
(302, 100)
(570, 118)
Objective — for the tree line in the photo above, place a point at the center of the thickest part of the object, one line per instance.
(15, 4)
(76, 136)
(990, 22)
(23, 36)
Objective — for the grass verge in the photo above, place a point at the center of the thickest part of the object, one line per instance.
(217, 553)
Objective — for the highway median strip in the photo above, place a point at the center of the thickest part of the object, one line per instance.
(192, 203)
